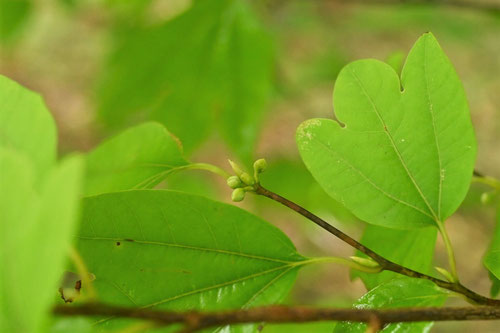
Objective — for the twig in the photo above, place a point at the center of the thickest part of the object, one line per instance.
(383, 262)
(195, 321)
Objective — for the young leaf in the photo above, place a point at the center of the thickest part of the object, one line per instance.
(139, 157)
(27, 126)
(35, 232)
(403, 292)
(404, 159)
(413, 249)
(169, 250)
(221, 69)
(492, 259)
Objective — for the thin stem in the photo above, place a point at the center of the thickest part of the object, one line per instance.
(159, 177)
(449, 250)
(195, 321)
(343, 262)
(383, 262)
(490, 181)
(208, 167)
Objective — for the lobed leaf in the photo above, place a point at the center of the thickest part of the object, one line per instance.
(404, 158)
(169, 250)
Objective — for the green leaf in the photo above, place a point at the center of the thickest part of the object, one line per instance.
(492, 259)
(139, 157)
(398, 293)
(404, 159)
(35, 233)
(170, 250)
(221, 70)
(413, 249)
(27, 126)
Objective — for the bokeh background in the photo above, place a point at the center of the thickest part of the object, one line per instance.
(234, 79)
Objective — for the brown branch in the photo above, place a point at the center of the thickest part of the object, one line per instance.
(386, 264)
(194, 320)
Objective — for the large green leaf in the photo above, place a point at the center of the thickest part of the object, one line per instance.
(140, 157)
(170, 250)
(403, 292)
(492, 259)
(220, 70)
(404, 158)
(26, 125)
(413, 249)
(35, 232)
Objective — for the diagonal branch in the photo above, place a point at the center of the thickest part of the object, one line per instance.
(195, 321)
(383, 262)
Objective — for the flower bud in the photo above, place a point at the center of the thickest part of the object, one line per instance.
(234, 182)
(445, 273)
(367, 262)
(238, 195)
(247, 179)
(486, 198)
(236, 168)
(260, 165)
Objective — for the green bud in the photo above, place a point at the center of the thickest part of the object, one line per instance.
(260, 165)
(486, 197)
(236, 168)
(238, 195)
(445, 273)
(367, 262)
(234, 182)
(247, 179)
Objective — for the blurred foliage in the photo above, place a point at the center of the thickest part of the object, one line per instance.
(13, 15)
(219, 75)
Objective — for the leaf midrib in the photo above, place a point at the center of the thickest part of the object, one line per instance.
(188, 247)
(395, 148)
(431, 111)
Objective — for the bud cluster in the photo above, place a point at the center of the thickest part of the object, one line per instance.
(242, 181)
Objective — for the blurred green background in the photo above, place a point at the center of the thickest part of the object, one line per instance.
(234, 79)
